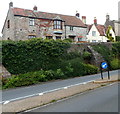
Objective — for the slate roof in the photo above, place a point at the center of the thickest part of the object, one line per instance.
(69, 20)
(109, 22)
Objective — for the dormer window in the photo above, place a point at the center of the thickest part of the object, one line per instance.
(57, 24)
(31, 22)
(8, 24)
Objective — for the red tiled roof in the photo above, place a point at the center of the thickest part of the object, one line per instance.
(100, 28)
(69, 20)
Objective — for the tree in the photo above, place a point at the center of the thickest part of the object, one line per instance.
(109, 34)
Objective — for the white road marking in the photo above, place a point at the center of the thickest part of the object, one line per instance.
(5, 102)
(66, 98)
(40, 94)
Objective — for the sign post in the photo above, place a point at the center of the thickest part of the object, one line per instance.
(104, 65)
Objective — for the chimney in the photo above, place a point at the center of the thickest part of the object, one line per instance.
(84, 19)
(10, 4)
(35, 8)
(107, 17)
(77, 14)
(95, 21)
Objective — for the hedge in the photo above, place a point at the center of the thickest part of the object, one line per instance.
(31, 55)
(30, 78)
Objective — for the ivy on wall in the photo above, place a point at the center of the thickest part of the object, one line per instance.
(31, 55)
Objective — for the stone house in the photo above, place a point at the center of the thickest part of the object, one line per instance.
(23, 24)
(115, 25)
(96, 32)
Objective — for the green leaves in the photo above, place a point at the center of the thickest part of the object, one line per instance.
(109, 34)
(31, 55)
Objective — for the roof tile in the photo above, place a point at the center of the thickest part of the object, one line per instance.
(69, 20)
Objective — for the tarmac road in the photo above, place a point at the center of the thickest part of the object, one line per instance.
(103, 99)
(20, 93)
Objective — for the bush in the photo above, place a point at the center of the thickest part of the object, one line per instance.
(117, 38)
(116, 49)
(68, 40)
(31, 55)
(71, 68)
(87, 55)
(77, 68)
(104, 51)
(115, 64)
(59, 74)
(25, 79)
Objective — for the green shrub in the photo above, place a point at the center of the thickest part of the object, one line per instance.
(90, 69)
(80, 69)
(115, 64)
(50, 74)
(69, 40)
(117, 38)
(31, 55)
(87, 55)
(116, 49)
(59, 74)
(104, 51)
(25, 79)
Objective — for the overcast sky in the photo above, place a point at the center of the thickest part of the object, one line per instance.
(88, 8)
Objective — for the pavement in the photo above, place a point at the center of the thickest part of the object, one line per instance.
(46, 97)
(99, 100)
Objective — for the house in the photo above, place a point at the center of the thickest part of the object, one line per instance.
(115, 24)
(96, 32)
(23, 24)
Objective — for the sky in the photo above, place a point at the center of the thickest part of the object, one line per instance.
(88, 8)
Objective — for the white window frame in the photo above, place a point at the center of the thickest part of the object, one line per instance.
(31, 36)
(93, 40)
(31, 22)
(93, 33)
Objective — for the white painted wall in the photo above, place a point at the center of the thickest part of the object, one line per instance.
(96, 38)
(113, 33)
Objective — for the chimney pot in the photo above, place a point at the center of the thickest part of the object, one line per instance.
(10, 4)
(77, 14)
(95, 21)
(35, 8)
(84, 19)
(108, 17)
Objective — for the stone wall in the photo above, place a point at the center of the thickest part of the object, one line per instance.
(8, 33)
(3, 72)
(96, 57)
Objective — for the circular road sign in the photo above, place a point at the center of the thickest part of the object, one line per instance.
(104, 65)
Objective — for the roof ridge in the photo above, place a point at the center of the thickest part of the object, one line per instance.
(44, 12)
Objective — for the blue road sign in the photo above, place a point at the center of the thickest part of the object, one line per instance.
(104, 65)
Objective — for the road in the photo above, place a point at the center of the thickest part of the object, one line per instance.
(103, 99)
(20, 93)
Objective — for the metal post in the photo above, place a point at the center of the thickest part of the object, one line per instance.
(101, 74)
(108, 74)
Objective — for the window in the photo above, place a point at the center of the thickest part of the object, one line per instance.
(31, 36)
(71, 28)
(8, 24)
(79, 39)
(49, 37)
(72, 37)
(93, 33)
(31, 22)
(57, 24)
(99, 41)
(58, 37)
(93, 40)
